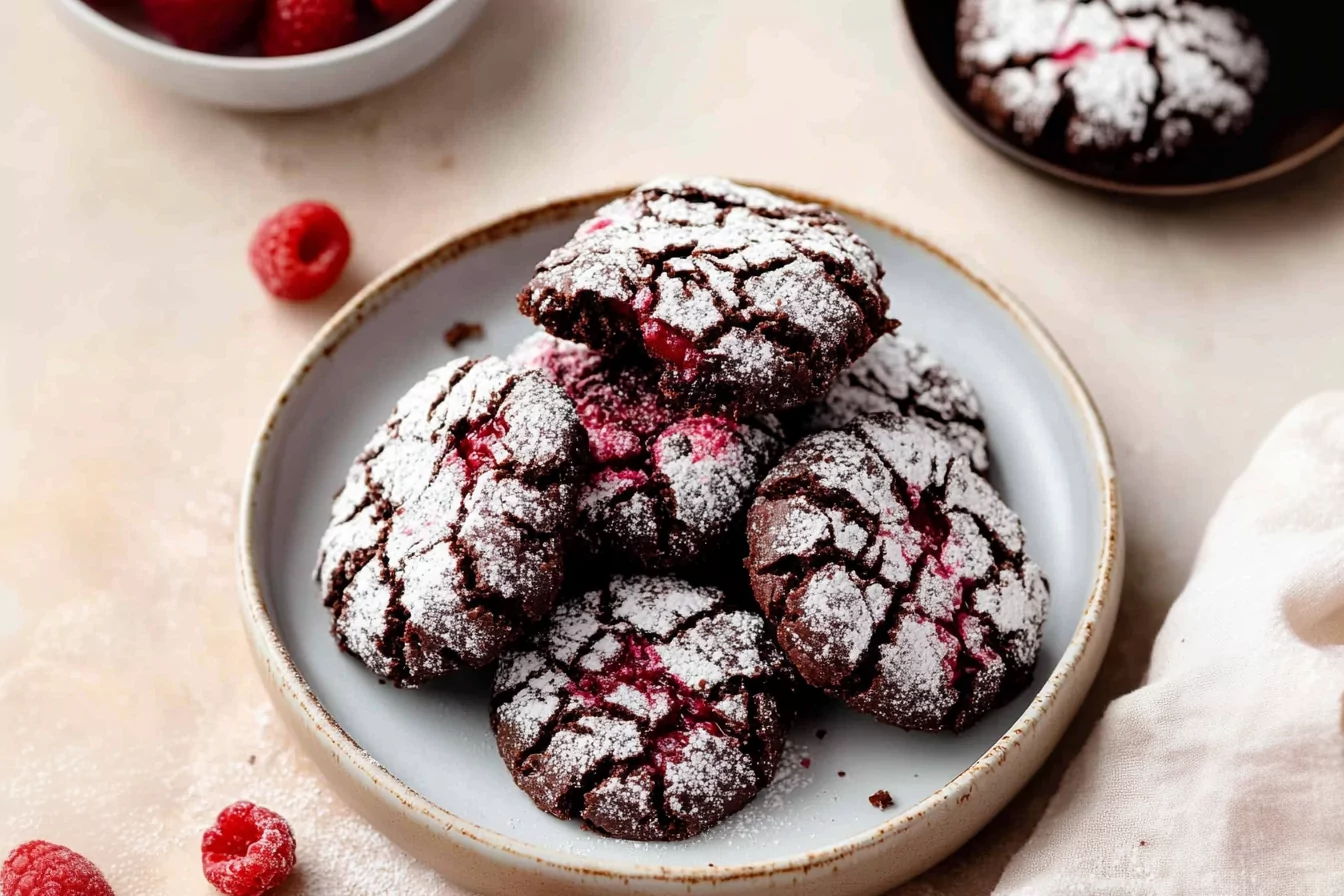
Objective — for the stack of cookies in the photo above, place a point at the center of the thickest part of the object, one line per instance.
(718, 478)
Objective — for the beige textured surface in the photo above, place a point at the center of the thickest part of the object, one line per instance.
(137, 355)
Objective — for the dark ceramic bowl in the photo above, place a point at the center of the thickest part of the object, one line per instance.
(1301, 111)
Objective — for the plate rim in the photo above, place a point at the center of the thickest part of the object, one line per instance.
(285, 680)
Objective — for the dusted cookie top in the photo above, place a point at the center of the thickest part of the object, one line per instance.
(667, 488)
(1128, 83)
(900, 376)
(744, 301)
(447, 537)
(895, 575)
(647, 708)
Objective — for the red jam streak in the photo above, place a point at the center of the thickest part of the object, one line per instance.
(483, 446)
(1083, 50)
(663, 341)
(638, 666)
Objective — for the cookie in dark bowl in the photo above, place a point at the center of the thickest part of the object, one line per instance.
(745, 302)
(447, 539)
(1139, 88)
(646, 707)
(895, 576)
(666, 489)
(899, 375)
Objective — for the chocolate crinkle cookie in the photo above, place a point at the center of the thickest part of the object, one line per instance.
(900, 375)
(895, 575)
(447, 537)
(647, 707)
(666, 488)
(1116, 86)
(744, 301)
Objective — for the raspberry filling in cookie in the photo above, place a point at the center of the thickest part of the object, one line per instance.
(638, 674)
(668, 488)
(895, 576)
(646, 707)
(741, 301)
(1123, 88)
(448, 537)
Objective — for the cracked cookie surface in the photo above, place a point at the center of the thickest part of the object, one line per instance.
(647, 707)
(746, 302)
(900, 375)
(666, 488)
(1116, 86)
(447, 538)
(895, 575)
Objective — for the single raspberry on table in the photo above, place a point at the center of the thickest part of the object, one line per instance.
(291, 27)
(209, 26)
(39, 868)
(300, 251)
(249, 850)
(396, 10)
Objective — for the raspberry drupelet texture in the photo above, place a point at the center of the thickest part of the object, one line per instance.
(208, 26)
(895, 575)
(744, 301)
(39, 868)
(396, 10)
(646, 707)
(447, 539)
(248, 851)
(1115, 87)
(667, 488)
(292, 27)
(299, 252)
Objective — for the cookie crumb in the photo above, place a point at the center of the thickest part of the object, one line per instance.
(821, 734)
(881, 800)
(461, 331)
(252, 760)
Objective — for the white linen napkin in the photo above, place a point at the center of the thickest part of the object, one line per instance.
(1223, 774)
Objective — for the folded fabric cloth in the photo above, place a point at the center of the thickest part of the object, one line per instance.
(1224, 772)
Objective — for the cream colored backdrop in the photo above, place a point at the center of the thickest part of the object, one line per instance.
(137, 354)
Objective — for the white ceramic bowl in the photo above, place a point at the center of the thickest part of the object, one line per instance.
(274, 84)
(422, 765)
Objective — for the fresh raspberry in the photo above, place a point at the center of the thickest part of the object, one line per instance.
(396, 10)
(300, 251)
(209, 26)
(292, 27)
(39, 868)
(248, 852)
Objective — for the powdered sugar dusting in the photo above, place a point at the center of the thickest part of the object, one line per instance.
(892, 571)
(699, 273)
(899, 375)
(646, 707)
(461, 496)
(669, 487)
(1137, 76)
(659, 606)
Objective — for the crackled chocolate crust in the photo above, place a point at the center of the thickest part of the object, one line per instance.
(1113, 86)
(899, 375)
(666, 489)
(895, 575)
(447, 537)
(646, 707)
(744, 301)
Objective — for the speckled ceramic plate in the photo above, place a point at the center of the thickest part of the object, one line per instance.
(422, 765)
